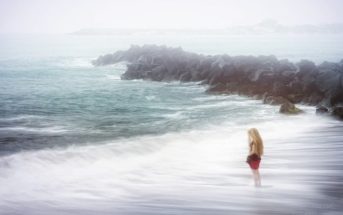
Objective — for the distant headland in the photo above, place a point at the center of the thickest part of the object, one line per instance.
(268, 26)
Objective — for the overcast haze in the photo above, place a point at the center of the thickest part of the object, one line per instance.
(63, 16)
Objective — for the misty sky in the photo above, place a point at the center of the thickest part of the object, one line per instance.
(63, 16)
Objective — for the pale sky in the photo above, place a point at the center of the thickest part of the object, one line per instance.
(64, 16)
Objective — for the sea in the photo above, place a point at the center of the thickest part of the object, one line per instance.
(76, 139)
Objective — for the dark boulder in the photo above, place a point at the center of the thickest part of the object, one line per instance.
(337, 111)
(330, 81)
(306, 74)
(314, 99)
(305, 68)
(218, 88)
(296, 86)
(109, 59)
(286, 68)
(280, 89)
(295, 98)
(322, 110)
(186, 77)
(289, 108)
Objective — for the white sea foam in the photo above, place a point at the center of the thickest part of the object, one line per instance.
(176, 115)
(26, 129)
(73, 62)
(113, 77)
(150, 98)
(199, 165)
(21, 117)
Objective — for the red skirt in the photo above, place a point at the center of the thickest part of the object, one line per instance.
(254, 161)
(254, 164)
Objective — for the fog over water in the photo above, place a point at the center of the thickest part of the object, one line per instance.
(63, 16)
(76, 139)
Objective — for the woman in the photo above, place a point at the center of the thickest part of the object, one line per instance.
(255, 153)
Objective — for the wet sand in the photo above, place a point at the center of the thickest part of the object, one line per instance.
(301, 174)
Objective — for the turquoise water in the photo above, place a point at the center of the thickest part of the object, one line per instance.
(77, 139)
(49, 89)
(81, 104)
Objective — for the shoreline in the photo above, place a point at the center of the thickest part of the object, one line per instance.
(299, 176)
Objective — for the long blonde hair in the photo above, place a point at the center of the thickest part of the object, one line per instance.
(256, 145)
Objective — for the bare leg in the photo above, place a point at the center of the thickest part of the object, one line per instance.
(257, 177)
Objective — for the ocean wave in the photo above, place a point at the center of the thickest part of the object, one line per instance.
(228, 103)
(113, 77)
(26, 129)
(73, 63)
(176, 115)
(21, 117)
(207, 163)
(151, 98)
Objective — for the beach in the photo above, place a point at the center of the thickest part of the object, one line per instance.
(77, 139)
